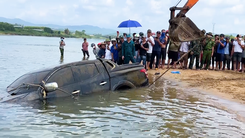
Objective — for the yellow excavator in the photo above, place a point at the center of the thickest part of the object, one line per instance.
(181, 28)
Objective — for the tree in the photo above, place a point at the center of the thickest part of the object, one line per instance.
(48, 30)
(6, 27)
(83, 31)
(67, 31)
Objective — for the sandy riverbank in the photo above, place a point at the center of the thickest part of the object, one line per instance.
(225, 84)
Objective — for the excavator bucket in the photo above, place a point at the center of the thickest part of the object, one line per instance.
(182, 29)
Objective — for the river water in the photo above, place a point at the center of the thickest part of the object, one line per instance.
(159, 111)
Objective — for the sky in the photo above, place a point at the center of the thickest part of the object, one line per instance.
(225, 16)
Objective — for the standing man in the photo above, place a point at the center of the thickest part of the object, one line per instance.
(114, 52)
(62, 45)
(95, 49)
(156, 52)
(128, 50)
(85, 48)
(151, 43)
(184, 48)
(173, 53)
(216, 37)
(101, 53)
(243, 56)
(120, 41)
(208, 50)
(144, 47)
(238, 46)
(221, 43)
(108, 49)
(227, 58)
(195, 53)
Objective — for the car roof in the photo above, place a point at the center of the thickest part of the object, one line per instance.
(64, 65)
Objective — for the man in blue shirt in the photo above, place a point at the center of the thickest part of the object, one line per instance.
(227, 58)
(220, 52)
(101, 53)
(114, 52)
(156, 52)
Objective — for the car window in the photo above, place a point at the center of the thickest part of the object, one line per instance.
(33, 78)
(85, 72)
(63, 77)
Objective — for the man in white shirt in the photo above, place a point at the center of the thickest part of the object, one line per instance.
(184, 47)
(151, 43)
(238, 46)
(108, 49)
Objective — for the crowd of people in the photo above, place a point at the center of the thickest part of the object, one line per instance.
(217, 52)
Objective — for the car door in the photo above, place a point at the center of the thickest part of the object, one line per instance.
(66, 82)
(90, 79)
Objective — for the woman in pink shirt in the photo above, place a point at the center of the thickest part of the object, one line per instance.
(85, 48)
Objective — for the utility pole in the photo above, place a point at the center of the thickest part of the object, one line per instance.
(213, 27)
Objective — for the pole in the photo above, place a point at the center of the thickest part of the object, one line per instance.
(213, 27)
(169, 68)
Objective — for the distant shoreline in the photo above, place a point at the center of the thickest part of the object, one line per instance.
(11, 34)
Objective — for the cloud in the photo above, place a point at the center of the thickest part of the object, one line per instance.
(154, 14)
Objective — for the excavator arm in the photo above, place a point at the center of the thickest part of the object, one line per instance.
(181, 28)
(189, 4)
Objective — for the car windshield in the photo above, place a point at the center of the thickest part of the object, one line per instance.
(33, 78)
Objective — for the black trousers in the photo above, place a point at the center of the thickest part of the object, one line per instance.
(227, 61)
(85, 52)
(192, 59)
(156, 54)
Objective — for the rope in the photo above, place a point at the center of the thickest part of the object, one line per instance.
(178, 3)
(176, 62)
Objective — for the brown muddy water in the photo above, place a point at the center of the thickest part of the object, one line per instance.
(158, 111)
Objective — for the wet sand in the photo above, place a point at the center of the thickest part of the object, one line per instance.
(227, 84)
(223, 89)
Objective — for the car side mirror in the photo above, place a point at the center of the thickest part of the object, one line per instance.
(50, 87)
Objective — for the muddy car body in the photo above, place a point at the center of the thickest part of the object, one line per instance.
(78, 78)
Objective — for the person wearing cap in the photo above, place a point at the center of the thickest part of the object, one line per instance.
(151, 43)
(95, 50)
(237, 50)
(120, 41)
(62, 45)
(108, 49)
(144, 47)
(85, 48)
(227, 58)
(128, 51)
(208, 50)
(163, 40)
(221, 43)
(114, 52)
(156, 52)
(101, 53)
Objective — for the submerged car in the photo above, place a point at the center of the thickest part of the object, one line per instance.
(78, 78)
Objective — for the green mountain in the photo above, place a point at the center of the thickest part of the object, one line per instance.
(88, 28)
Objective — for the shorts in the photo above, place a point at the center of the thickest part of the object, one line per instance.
(243, 60)
(173, 55)
(185, 58)
(219, 57)
(237, 57)
(163, 54)
(148, 57)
